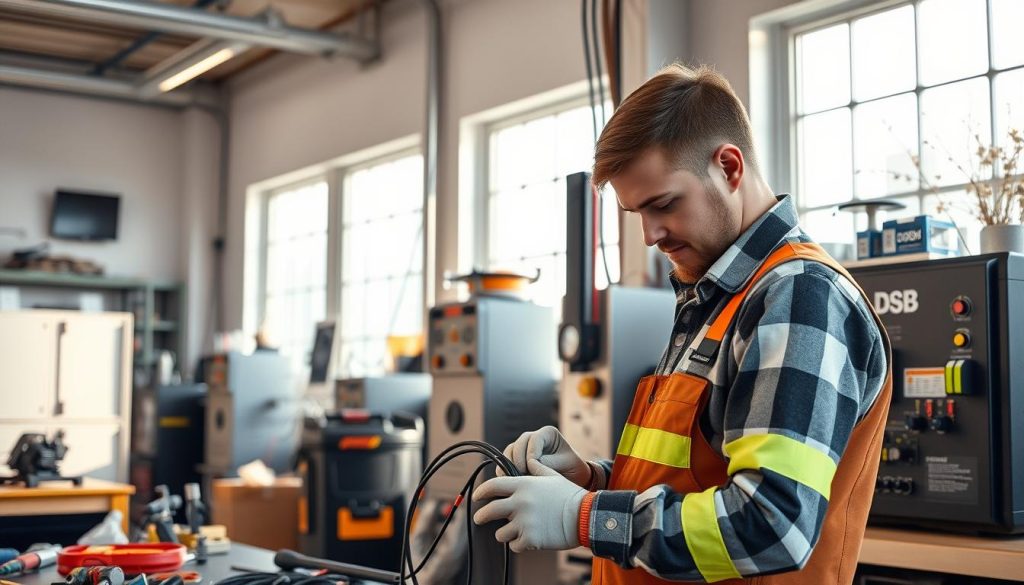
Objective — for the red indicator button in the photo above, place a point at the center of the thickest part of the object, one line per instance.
(961, 307)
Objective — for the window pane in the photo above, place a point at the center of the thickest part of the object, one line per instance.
(600, 278)
(1009, 88)
(509, 153)
(826, 174)
(508, 216)
(954, 118)
(526, 210)
(353, 306)
(829, 226)
(885, 138)
(959, 208)
(883, 54)
(953, 39)
(1007, 42)
(355, 241)
(296, 268)
(575, 142)
(823, 63)
(407, 293)
(383, 262)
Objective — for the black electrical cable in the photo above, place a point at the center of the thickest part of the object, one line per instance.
(492, 456)
(597, 60)
(435, 465)
(283, 578)
(593, 109)
(586, 59)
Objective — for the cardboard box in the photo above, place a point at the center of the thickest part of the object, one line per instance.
(923, 233)
(261, 516)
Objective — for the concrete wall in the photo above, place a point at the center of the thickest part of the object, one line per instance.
(50, 141)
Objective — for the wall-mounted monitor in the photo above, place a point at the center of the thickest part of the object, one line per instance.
(79, 215)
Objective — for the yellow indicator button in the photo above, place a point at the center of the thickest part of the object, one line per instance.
(589, 387)
(961, 339)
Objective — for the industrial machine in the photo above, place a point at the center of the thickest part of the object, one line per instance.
(492, 359)
(953, 453)
(385, 394)
(359, 473)
(608, 340)
(36, 459)
(252, 412)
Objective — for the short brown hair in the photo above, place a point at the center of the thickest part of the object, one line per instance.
(687, 112)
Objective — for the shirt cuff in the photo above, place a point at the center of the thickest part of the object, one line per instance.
(583, 527)
(610, 525)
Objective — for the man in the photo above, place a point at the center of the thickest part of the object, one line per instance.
(751, 455)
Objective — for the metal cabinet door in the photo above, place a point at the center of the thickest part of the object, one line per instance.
(95, 365)
(27, 365)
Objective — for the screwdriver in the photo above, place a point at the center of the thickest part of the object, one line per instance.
(7, 554)
(32, 560)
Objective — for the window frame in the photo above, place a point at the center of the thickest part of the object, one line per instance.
(341, 176)
(774, 81)
(482, 254)
(334, 173)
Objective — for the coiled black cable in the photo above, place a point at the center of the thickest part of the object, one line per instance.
(492, 456)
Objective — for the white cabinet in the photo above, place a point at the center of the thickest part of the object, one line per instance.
(71, 371)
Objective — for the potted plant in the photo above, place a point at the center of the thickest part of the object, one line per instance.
(997, 202)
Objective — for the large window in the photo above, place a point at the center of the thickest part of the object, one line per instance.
(343, 242)
(295, 283)
(876, 90)
(382, 260)
(527, 160)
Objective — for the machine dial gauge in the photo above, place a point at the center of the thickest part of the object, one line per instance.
(568, 342)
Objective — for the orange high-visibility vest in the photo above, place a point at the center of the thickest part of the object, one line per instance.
(662, 443)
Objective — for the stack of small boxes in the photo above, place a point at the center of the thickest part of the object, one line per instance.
(909, 235)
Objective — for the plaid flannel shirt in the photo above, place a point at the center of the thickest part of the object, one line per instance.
(804, 359)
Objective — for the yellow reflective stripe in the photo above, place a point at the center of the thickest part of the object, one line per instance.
(704, 537)
(958, 377)
(949, 377)
(655, 445)
(627, 439)
(785, 456)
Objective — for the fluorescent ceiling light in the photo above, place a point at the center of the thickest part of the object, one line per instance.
(196, 70)
(188, 64)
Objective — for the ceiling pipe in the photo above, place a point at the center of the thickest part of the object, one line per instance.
(190, 21)
(431, 140)
(80, 83)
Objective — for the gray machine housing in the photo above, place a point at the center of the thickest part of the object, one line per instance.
(403, 392)
(493, 361)
(636, 324)
(252, 412)
(507, 387)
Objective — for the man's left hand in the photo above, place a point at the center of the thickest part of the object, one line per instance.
(542, 509)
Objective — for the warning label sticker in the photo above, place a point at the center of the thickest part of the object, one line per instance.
(953, 478)
(924, 382)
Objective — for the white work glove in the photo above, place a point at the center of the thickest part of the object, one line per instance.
(542, 509)
(548, 447)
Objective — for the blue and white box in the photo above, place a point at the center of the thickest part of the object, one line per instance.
(869, 244)
(910, 235)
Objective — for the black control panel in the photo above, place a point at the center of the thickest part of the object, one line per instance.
(953, 452)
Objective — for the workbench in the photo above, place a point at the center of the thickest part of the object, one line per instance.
(956, 554)
(62, 497)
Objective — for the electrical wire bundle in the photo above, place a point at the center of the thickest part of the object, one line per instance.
(491, 456)
(284, 578)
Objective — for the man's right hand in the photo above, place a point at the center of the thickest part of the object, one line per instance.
(549, 447)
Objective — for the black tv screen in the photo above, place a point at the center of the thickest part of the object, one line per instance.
(84, 216)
